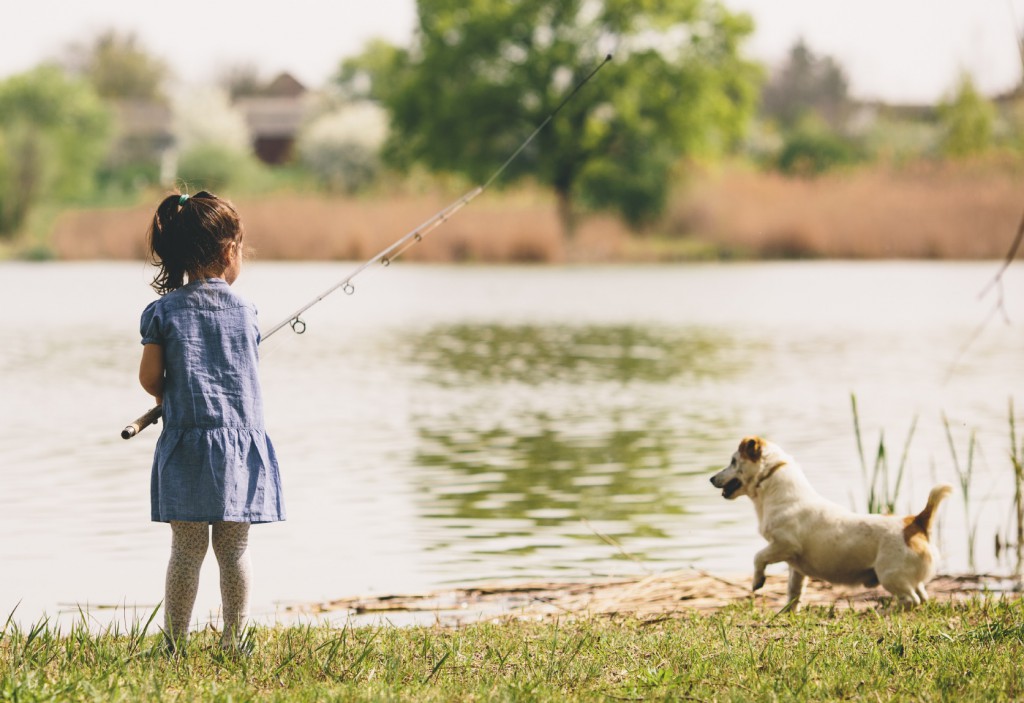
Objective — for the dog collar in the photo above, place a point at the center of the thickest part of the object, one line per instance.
(769, 473)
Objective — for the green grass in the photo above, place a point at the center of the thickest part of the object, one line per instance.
(960, 652)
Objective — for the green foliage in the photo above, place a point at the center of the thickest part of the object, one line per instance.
(812, 149)
(967, 121)
(53, 134)
(899, 139)
(213, 167)
(369, 75)
(484, 75)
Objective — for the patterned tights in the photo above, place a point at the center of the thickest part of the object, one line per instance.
(189, 542)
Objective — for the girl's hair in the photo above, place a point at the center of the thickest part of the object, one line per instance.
(189, 235)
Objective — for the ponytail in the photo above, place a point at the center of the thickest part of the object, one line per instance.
(188, 235)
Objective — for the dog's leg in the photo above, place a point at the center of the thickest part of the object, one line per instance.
(772, 554)
(905, 590)
(905, 599)
(921, 593)
(794, 591)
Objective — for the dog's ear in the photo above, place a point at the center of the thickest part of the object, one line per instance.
(751, 448)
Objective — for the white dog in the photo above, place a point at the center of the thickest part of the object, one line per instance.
(822, 540)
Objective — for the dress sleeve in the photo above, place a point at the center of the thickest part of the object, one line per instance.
(150, 326)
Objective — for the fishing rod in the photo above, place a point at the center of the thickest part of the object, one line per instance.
(392, 251)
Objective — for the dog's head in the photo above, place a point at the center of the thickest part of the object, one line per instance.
(751, 463)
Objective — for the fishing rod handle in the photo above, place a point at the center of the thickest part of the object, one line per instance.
(142, 422)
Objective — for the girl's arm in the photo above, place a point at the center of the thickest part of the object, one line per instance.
(151, 370)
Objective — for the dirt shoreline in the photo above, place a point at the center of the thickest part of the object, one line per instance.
(653, 597)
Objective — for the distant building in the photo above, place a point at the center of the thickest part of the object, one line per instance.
(274, 117)
(145, 133)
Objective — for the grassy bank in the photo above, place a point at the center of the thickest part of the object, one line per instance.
(943, 651)
(939, 211)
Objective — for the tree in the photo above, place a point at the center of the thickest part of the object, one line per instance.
(967, 120)
(118, 67)
(54, 132)
(806, 85)
(369, 75)
(483, 74)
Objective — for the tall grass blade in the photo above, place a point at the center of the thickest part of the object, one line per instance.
(1017, 461)
(901, 470)
(860, 445)
(964, 475)
(437, 667)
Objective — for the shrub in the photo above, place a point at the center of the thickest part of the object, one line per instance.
(810, 152)
(341, 149)
(215, 167)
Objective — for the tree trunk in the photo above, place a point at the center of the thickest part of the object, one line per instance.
(566, 214)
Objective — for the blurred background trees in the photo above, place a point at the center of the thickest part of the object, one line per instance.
(807, 85)
(118, 67)
(108, 123)
(54, 131)
(133, 84)
(967, 120)
(481, 77)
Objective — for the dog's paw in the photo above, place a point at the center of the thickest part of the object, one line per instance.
(758, 582)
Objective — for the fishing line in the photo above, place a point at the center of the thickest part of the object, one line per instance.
(390, 253)
(395, 249)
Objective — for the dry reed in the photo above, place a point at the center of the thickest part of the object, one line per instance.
(965, 211)
(305, 227)
(947, 211)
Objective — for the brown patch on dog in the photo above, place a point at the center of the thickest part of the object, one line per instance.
(915, 535)
(917, 528)
(751, 448)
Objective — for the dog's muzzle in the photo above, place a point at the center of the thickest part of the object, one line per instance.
(728, 485)
(731, 487)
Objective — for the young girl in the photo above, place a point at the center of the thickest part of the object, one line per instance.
(214, 464)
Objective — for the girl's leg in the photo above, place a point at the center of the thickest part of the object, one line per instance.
(230, 543)
(189, 541)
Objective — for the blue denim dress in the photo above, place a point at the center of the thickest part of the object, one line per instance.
(213, 460)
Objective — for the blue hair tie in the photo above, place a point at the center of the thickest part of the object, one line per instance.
(182, 199)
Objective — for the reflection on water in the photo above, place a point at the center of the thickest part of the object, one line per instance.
(548, 478)
(471, 354)
(575, 452)
(560, 431)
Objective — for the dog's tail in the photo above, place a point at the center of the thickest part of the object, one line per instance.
(924, 519)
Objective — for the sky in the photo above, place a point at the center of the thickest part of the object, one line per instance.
(907, 51)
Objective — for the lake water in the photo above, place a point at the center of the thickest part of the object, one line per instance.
(455, 424)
